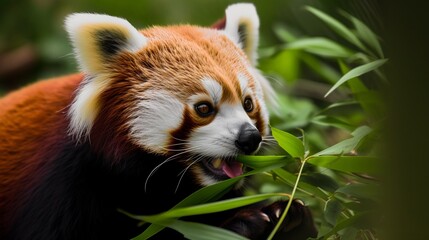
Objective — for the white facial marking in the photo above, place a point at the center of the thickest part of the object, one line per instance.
(156, 115)
(214, 89)
(244, 85)
(217, 139)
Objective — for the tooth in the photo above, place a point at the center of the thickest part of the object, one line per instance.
(217, 163)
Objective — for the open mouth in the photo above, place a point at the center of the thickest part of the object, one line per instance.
(223, 169)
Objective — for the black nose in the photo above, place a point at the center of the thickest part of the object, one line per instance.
(248, 138)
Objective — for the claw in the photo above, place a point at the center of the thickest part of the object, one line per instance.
(277, 213)
(300, 202)
(265, 217)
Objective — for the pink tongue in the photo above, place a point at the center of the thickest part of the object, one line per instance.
(233, 169)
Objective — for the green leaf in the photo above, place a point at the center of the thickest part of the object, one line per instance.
(332, 211)
(208, 207)
(291, 179)
(324, 120)
(284, 33)
(365, 33)
(349, 233)
(350, 222)
(149, 232)
(355, 84)
(323, 69)
(199, 231)
(356, 72)
(337, 27)
(321, 46)
(369, 100)
(358, 164)
(289, 143)
(339, 105)
(293, 112)
(206, 194)
(320, 180)
(361, 191)
(257, 162)
(347, 145)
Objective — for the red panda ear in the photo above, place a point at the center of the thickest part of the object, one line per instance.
(97, 38)
(242, 26)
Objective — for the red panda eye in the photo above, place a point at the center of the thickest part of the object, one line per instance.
(204, 109)
(248, 105)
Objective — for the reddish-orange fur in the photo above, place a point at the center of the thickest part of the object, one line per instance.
(40, 110)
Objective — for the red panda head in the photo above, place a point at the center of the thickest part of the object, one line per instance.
(186, 92)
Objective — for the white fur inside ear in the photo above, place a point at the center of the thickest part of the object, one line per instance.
(83, 28)
(243, 15)
(85, 106)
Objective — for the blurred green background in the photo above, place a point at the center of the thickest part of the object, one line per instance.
(34, 45)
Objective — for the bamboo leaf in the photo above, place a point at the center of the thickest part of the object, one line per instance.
(339, 105)
(359, 164)
(347, 145)
(149, 232)
(257, 162)
(206, 194)
(361, 191)
(209, 207)
(284, 33)
(291, 179)
(331, 121)
(349, 234)
(354, 84)
(321, 46)
(350, 222)
(332, 211)
(324, 70)
(337, 27)
(293, 112)
(365, 33)
(368, 99)
(321, 181)
(199, 231)
(289, 143)
(356, 72)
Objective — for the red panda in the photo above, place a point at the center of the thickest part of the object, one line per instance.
(154, 115)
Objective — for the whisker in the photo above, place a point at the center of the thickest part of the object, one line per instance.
(268, 138)
(178, 139)
(182, 173)
(164, 162)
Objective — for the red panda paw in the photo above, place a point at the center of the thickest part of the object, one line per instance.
(298, 223)
(251, 223)
(257, 223)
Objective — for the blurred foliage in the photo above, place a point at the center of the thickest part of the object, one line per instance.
(34, 45)
(332, 96)
(324, 62)
(329, 96)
